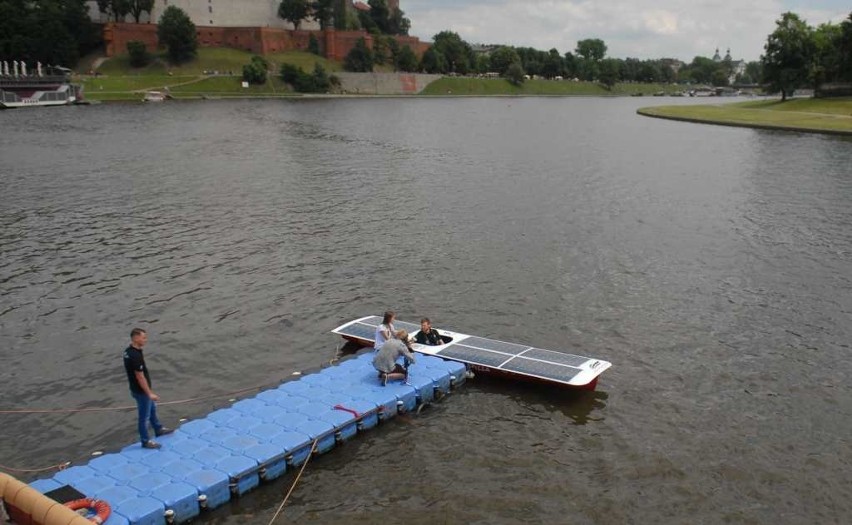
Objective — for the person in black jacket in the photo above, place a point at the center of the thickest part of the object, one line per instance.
(140, 388)
(428, 335)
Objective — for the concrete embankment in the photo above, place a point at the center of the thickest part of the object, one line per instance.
(385, 83)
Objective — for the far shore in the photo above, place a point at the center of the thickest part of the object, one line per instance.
(215, 73)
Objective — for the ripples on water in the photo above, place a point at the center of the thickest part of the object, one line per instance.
(710, 265)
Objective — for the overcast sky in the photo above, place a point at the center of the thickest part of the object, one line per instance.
(631, 28)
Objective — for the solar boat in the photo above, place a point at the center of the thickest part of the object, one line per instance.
(492, 357)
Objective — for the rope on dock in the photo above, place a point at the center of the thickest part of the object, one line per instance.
(60, 466)
(133, 407)
(295, 481)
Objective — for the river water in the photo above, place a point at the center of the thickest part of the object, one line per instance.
(712, 266)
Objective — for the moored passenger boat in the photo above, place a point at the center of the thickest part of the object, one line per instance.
(48, 86)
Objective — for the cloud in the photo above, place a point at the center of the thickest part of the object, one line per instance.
(640, 28)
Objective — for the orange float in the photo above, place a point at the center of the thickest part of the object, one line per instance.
(99, 507)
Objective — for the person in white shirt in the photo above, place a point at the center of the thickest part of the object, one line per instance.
(385, 330)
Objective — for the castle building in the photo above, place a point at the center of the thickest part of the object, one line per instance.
(218, 13)
(227, 13)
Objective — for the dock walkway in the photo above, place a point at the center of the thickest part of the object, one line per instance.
(208, 461)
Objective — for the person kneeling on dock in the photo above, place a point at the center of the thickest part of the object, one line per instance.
(391, 350)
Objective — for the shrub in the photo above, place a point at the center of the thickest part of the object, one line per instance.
(255, 71)
(360, 59)
(313, 45)
(318, 82)
(138, 53)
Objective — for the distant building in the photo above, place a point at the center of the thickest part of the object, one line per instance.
(672, 63)
(737, 67)
(227, 13)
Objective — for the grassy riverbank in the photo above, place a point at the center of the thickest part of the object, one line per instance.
(811, 115)
(464, 86)
(215, 72)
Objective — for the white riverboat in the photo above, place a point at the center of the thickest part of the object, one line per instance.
(48, 86)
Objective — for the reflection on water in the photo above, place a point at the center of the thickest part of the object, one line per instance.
(710, 265)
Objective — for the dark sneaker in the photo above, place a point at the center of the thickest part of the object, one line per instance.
(164, 431)
(384, 380)
(151, 444)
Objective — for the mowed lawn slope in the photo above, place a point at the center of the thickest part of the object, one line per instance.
(813, 115)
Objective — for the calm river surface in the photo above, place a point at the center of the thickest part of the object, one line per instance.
(712, 266)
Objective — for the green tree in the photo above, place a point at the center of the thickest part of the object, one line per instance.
(789, 51)
(293, 11)
(103, 7)
(323, 12)
(255, 72)
(433, 62)
(515, 74)
(719, 78)
(48, 31)
(177, 32)
(360, 58)
(137, 7)
(457, 54)
(120, 9)
(825, 65)
(845, 44)
(381, 51)
(398, 23)
(406, 60)
(483, 64)
(554, 65)
(754, 69)
(380, 15)
(502, 58)
(321, 80)
(139, 56)
(593, 49)
(702, 70)
(609, 71)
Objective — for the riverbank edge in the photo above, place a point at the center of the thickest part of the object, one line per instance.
(298, 96)
(652, 112)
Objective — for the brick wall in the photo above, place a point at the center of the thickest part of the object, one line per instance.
(116, 37)
(335, 45)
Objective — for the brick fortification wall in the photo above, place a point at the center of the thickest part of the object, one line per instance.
(335, 45)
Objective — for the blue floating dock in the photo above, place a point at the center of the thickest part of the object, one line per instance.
(208, 461)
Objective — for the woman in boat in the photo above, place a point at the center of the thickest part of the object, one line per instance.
(385, 331)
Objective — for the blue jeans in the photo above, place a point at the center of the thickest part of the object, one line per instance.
(147, 411)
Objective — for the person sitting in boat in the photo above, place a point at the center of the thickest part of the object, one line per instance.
(384, 331)
(428, 335)
(385, 362)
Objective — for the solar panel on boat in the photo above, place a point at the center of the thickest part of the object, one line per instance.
(473, 355)
(541, 369)
(493, 344)
(556, 357)
(375, 321)
(361, 331)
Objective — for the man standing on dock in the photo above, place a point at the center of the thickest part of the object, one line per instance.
(140, 389)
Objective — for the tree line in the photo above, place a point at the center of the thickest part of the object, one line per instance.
(55, 32)
(797, 54)
(450, 54)
(378, 20)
